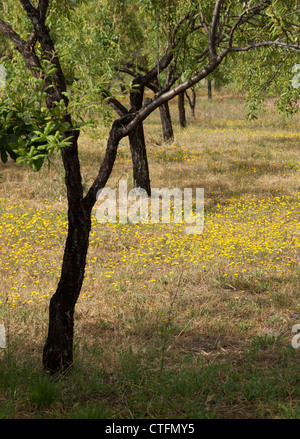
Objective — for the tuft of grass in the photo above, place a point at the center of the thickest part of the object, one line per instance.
(43, 392)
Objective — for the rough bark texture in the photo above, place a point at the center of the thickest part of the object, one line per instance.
(181, 110)
(166, 122)
(141, 176)
(58, 350)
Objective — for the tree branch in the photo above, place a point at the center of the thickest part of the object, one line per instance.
(168, 55)
(265, 44)
(43, 8)
(6, 30)
(160, 99)
(213, 29)
(26, 48)
(114, 103)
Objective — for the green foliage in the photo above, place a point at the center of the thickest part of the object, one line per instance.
(29, 131)
(267, 73)
(93, 38)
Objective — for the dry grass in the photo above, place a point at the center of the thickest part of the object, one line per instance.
(153, 291)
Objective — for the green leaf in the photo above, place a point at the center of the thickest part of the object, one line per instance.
(38, 163)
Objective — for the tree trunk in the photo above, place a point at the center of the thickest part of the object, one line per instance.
(166, 122)
(141, 176)
(192, 102)
(181, 110)
(209, 91)
(58, 350)
(139, 159)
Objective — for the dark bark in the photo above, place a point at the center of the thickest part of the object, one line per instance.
(136, 137)
(164, 110)
(181, 110)
(115, 135)
(209, 91)
(58, 350)
(139, 159)
(137, 143)
(166, 122)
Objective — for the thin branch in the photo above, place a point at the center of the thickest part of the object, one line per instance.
(24, 47)
(114, 103)
(245, 17)
(6, 30)
(213, 29)
(203, 22)
(287, 46)
(167, 58)
(132, 66)
(267, 83)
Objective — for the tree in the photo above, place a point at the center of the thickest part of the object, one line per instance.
(165, 116)
(192, 101)
(181, 110)
(139, 68)
(166, 122)
(209, 92)
(221, 27)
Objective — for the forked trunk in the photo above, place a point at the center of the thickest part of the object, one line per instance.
(58, 350)
(192, 102)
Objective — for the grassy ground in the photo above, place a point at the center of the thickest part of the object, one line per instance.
(168, 325)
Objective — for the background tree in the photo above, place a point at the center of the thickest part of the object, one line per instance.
(192, 101)
(209, 88)
(181, 110)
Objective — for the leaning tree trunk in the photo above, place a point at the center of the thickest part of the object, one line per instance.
(181, 110)
(166, 122)
(58, 350)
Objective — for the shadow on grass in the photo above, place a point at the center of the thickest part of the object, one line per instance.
(214, 378)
